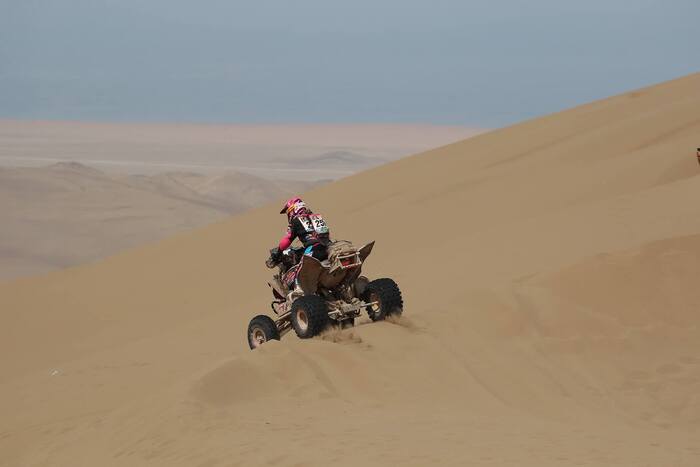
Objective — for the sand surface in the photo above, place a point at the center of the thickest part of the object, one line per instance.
(550, 278)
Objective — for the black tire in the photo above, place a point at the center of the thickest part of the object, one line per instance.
(309, 316)
(260, 330)
(387, 294)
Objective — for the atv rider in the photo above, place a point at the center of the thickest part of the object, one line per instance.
(308, 227)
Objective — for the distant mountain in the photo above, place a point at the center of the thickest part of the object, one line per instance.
(236, 191)
(75, 167)
(341, 160)
(68, 213)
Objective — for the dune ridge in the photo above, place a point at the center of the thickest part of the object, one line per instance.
(550, 317)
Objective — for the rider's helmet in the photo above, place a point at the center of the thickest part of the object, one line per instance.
(293, 207)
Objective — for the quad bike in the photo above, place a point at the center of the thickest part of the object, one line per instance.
(310, 295)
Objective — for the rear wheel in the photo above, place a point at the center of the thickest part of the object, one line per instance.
(260, 330)
(309, 316)
(385, 297)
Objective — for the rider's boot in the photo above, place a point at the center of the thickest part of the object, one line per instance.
(295, 293)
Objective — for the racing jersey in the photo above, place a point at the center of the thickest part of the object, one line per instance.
(310, 229)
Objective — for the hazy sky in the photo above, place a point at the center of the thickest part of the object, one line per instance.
(483, 63)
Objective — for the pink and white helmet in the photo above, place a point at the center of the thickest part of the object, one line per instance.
(293, 207)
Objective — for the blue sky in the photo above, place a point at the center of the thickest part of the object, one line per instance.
(480, 63)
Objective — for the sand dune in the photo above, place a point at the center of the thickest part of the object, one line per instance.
(551, 317)
(68, 213)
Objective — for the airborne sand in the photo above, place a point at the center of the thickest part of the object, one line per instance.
(550, 278)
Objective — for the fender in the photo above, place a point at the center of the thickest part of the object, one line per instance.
(366, 250)
(309, 272)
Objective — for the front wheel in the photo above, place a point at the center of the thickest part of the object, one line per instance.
(260, 330)
(309, 316)
(385, 298)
